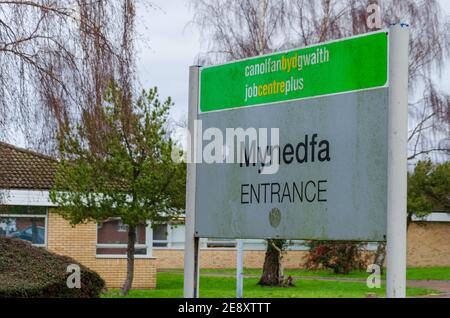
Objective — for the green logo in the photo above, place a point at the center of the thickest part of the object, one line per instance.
(352, 64)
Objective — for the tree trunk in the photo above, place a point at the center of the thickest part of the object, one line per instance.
(380, 256)
(130, 260)
(273, 272)
(262, 13)
(408, 220)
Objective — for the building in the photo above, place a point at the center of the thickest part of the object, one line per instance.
(27, 213)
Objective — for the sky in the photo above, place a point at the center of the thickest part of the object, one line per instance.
(172, 45)
(168, 44)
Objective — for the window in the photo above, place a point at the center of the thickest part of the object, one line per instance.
(254, 245)
(112, 239)
(297, 245)
(122, 227)
(24, 223)
(216, 243)
(177, 236)
(160, 235)
(168, 236)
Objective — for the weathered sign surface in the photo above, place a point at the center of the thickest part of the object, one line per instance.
(330, 106)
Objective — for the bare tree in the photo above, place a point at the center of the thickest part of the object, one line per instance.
(429, 107)
(56, 60)
(238, 29)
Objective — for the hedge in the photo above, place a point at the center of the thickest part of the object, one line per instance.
(29, 271)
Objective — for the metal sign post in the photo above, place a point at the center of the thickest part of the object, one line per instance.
(397, 162)
(239, 269)
(191, 247)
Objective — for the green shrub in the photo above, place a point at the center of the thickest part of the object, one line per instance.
(341, 257)
(29, 271)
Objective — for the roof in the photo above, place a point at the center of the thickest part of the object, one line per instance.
(25, 169)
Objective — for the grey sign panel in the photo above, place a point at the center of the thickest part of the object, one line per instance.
(340, 197)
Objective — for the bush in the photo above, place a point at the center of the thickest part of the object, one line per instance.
(341, 257)
(28, 271)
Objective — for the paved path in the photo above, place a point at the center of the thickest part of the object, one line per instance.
(441, 285)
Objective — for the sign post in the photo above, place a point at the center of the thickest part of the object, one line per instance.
(239, 268)
(305, 144)
(192, 244)
(397, 162)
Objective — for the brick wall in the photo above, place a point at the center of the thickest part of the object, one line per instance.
(428, 245)
(79, 242)
(173, 259)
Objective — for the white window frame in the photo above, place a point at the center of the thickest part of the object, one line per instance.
(122, 227)
(224, 248)
(171, 243)
(148, 245)
(36, 216)
(167, 241)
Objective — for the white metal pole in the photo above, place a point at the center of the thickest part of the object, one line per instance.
(191, 243)
(397, 161)
(240, 269)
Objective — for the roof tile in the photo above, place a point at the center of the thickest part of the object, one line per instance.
(25, 169)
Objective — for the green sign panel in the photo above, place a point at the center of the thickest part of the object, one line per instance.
(343, 66)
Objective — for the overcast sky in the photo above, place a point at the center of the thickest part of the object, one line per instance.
(172, 45)
(168, 46)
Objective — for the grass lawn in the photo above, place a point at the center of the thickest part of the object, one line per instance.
(170, 285)
(428, 273)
